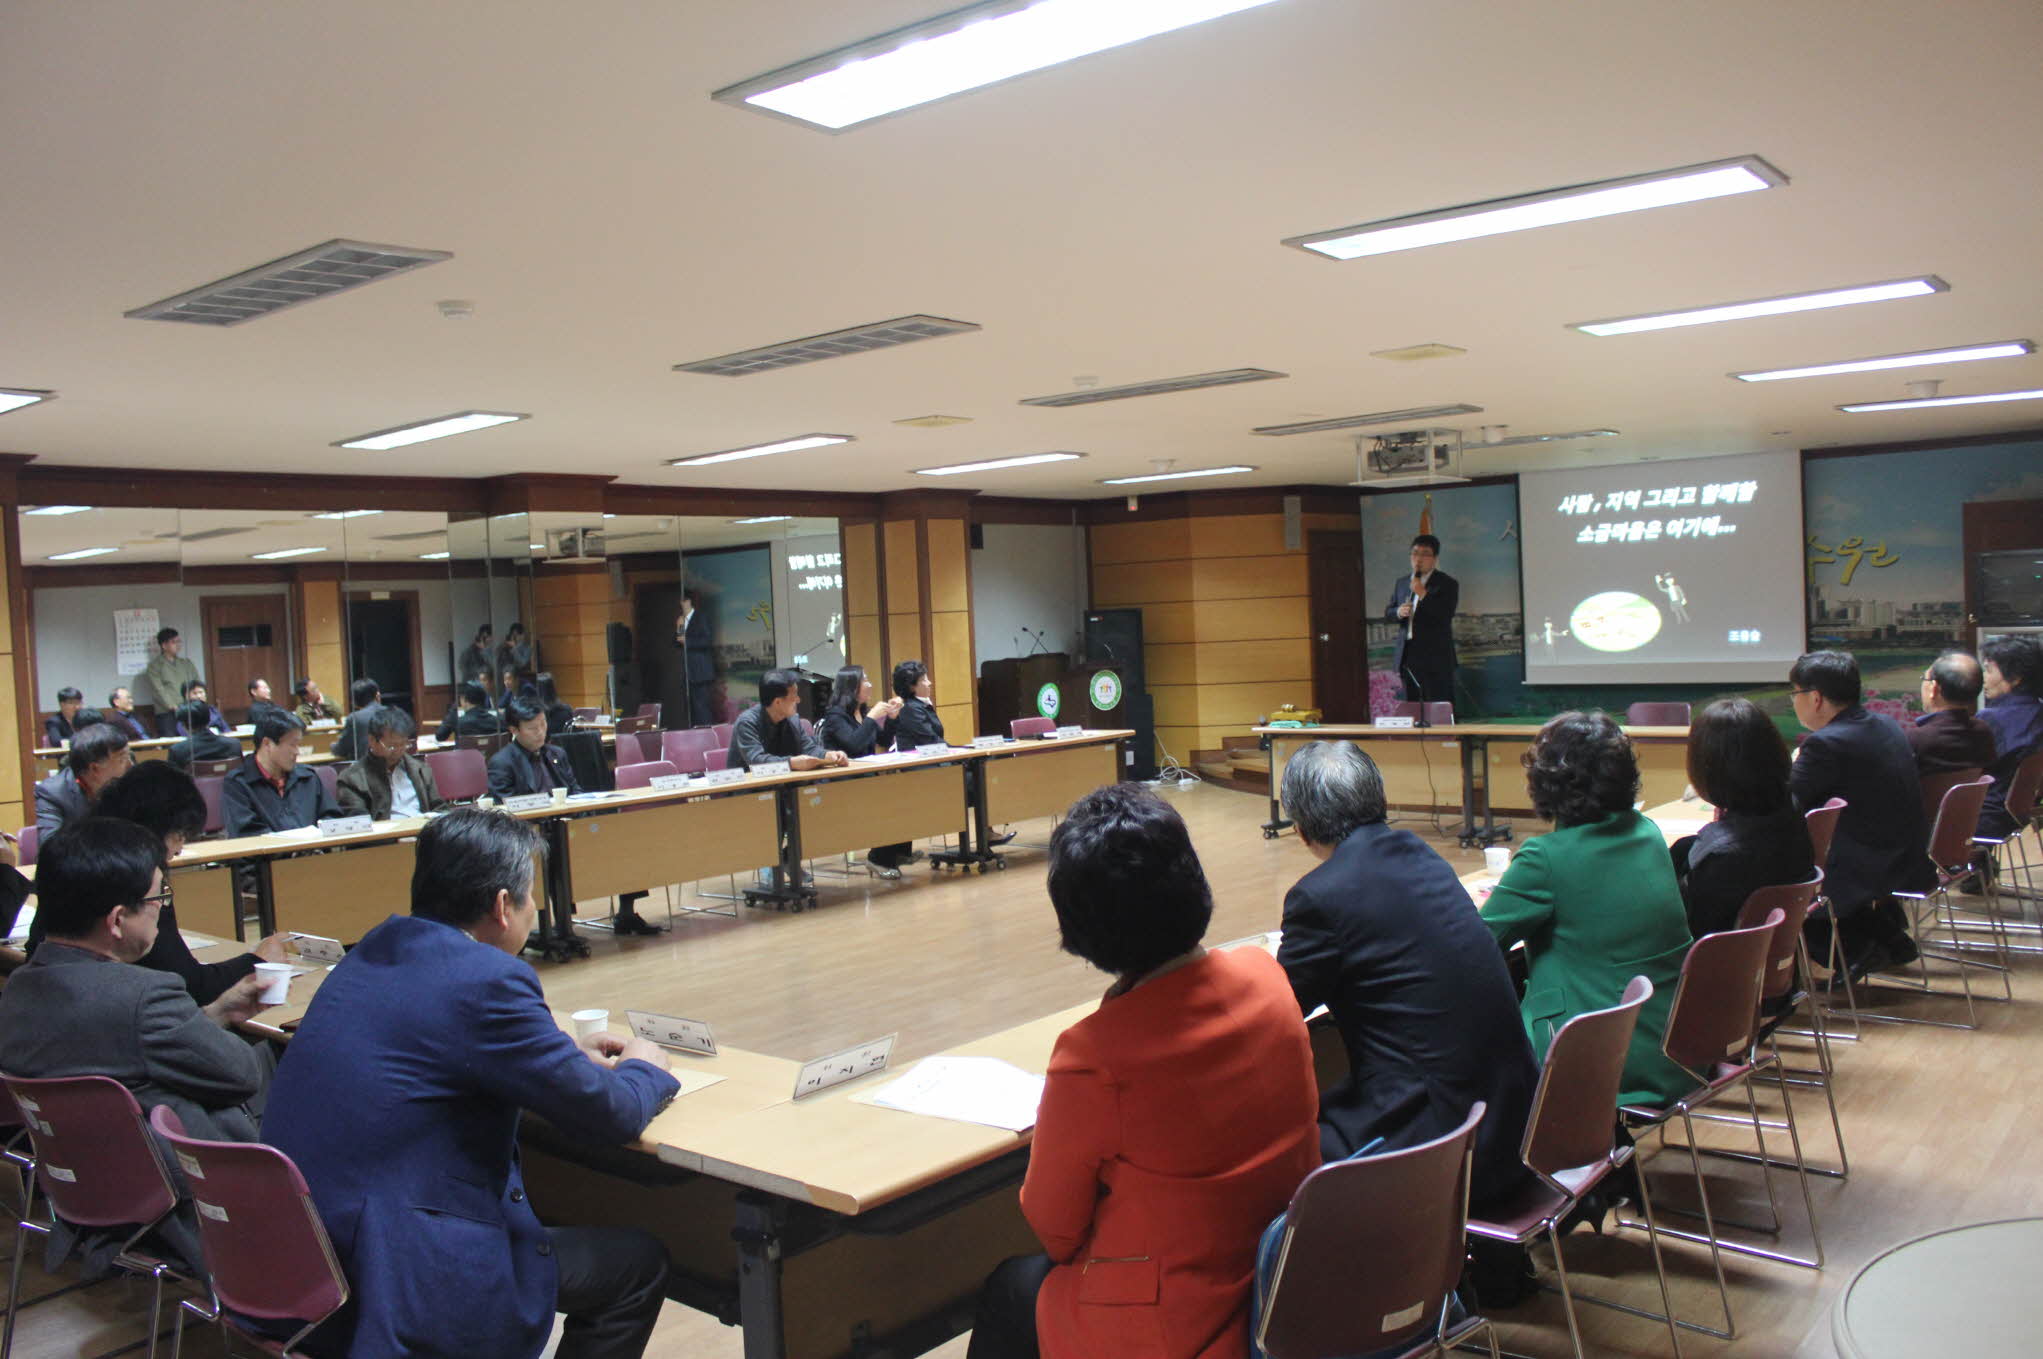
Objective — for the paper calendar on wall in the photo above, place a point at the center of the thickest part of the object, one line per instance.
(134, 640)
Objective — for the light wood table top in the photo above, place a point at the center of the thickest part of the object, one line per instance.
(1502, 731)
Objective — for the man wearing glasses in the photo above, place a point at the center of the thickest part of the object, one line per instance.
(392, 782)
(1949, 735)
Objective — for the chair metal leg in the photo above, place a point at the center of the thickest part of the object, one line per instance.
(14, 1287)
(1553, 1234)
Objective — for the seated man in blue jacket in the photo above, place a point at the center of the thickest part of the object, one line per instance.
(400, 1101)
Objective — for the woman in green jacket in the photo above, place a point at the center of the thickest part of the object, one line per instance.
(1595, 901)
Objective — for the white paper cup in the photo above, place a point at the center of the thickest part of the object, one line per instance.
(277, 979)
(559, 796)
(1496, 859)
(589, 1022)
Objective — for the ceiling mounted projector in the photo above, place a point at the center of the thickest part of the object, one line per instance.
(1409, 457)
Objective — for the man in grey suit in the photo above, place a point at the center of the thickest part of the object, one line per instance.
(80, 1008)
(98, 756)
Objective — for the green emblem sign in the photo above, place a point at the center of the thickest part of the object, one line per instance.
(1106, 690)
(1047, 701)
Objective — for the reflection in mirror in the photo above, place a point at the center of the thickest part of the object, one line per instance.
(398, 632)
(759, 593)
(506, 652)
(100, 584)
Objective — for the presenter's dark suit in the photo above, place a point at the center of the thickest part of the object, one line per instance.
(699, 663)
(515, 771)
(1882, 840)
(1384, 935)
(400, 1103)
(1425, 658)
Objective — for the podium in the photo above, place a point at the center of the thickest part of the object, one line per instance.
(1008, 688)
(1014, 688)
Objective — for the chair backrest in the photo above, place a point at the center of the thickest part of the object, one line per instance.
(723, 732)
(1822, 823)
(1716, 1007)
(644, 772)
(685, 749)
(1934, 786)
(460, 775)
(1024, 727)
(27, 840)
(650, 710)
(1791, 901)
(635, 723)
(1572, 1114)
(1438, 712)
(587, 714)
(217, 768)
(487, 743)
(94, 1160)
(716, 759)
(266, 1248)
(2022, 789)
(1404, 1213)
(211, 791)
(330, 776)
(1957, 821)
(1656, 715)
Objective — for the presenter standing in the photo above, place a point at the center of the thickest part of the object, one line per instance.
(1423, 605)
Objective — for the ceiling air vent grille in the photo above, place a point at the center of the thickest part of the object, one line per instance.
(1410, 415)
(835, 345)
(306, 276)
(1087, 395)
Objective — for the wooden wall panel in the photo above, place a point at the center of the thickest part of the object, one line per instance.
(1243, 705)
(14, 794)
(1222, 620)
(320, 620)
(1156, 582)
(950, 551)
(904, 588)
(557, 588)
(904, 638)
(866, 648)
(957, 722)
(861, 570)
(1248, 577)
(1287, 658)
(1140, 541)
(950, 658)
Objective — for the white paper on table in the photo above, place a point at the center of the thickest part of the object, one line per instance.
(1678, 828)
(981, 1090)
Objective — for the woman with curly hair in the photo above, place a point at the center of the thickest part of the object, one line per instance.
(1594, 901)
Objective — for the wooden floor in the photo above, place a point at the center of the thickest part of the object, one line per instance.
(1942, 1125)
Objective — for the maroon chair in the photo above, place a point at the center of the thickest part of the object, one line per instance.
(1656, 715)
(485, 744)
(215, 768)
(1822, 823)
(1950, 853)
(1783, 994)
(651, 711)
(266, 1248)
(685, 749)
(1569, 1144)
(330, 776)
(95, 1167)
(1370, 1251)
(211, 791)
(587, 714)
(27, 841)
(1023, 728)
(460, 775)
(1712, 1032)
(2010, 853)
(716, 759)
(642, 774)
(723, 732)
(1437, 712)
(1934, 786)
(634, 724)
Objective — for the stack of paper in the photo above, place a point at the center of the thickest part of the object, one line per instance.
(965, 1089)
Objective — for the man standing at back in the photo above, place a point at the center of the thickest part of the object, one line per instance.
(400, 1103)
(1422, 605)
(169, 674)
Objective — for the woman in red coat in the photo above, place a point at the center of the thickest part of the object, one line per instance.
(1177, 1119)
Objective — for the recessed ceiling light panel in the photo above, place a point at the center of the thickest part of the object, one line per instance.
(798, 444)
(1517, 439)
(1086, 396)
(765, 519)
(80, 554)
(1925, 402)
(1552, 207)
(978, 45)
(1920, 286)
(2005, 349)
(996, 464)
(833, 345)
(1411, 415)
(439, 427)
(306, 276)
(14, 398)
(346, 514)
(1414, 353)
(54, 510)
(934, 421)
(283, 552)
(1177, 476)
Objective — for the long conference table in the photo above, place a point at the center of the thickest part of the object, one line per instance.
(606, 844)
(1481, 750)
(827, 1227)
(315, 749)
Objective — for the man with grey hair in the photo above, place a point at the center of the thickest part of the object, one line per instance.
(1383, 934)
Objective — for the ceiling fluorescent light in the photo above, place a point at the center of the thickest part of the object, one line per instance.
(1604, 198)
(434, 556)
(831, 345)
(344, 514)
(332, 267)
(995, 464)
(2006, 349)
(439, 428)
(284, 552)
(1920, 286)
(1086, 396)
(14, 398)
(1924, 402)
(765, 519)
(1410, 416)
(1176, 476)
(794, 445)
(965, 49)
(1545, 438)
(58, 509)
(83, 552)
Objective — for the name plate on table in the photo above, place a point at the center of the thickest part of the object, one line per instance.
(934, 748)
(690, 1035)
(1069, 731)
(315, 948)
(667, 783)
(716, 776)
(528, 802)
(1397, 721)
(848, 1065)
(773, 767)
(988, 742)
(345, 825)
